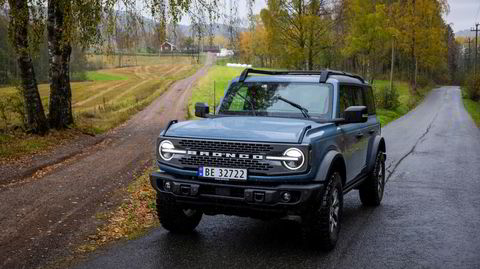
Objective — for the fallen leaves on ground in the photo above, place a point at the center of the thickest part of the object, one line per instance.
(132, 218)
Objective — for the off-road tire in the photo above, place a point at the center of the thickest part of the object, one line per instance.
(317, 228)
(371, 190)
(175, 218)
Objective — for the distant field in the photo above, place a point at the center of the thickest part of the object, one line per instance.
(110, 97)
(104, 61)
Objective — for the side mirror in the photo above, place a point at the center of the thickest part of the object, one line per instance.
(201, 110)
(355, 114)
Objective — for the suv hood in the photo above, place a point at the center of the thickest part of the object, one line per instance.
(261, 129)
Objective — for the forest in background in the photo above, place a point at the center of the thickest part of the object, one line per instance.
(51, 41)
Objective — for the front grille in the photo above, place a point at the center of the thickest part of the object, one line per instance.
(225, 162)
(220, 146)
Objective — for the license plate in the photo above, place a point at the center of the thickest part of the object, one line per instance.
(222, 173)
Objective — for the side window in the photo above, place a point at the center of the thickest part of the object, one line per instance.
(359, 100)
(350, 96)
(347, 98)
(370, 101)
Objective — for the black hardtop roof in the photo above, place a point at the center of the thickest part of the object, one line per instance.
(324, 74)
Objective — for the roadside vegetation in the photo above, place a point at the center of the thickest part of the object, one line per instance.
(471, 98)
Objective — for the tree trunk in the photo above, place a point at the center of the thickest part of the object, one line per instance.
(36, 121)
(59, 50)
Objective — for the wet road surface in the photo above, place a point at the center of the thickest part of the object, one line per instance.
(429, 218)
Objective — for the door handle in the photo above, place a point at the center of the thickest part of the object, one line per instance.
(359, 135)
(371, 131)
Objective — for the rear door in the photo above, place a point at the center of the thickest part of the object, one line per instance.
(355, 134)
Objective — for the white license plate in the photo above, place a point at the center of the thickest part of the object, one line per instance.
(222, 173)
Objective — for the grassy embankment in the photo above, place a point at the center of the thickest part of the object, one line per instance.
(107, 99)
(203, 92)
(472, 107)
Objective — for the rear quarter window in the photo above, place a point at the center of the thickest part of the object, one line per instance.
(370, 100)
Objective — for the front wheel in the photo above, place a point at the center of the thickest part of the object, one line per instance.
(321, 225)
(175, 218)
(371, 191)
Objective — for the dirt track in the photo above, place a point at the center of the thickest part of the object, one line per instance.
(42, 217)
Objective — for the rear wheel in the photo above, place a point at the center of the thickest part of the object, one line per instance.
(321, 225)
(371, 191)
(175, 218)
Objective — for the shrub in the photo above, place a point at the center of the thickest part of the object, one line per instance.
(388, 99)
(473, 87)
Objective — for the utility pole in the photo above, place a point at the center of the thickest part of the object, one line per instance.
(476, 47)
(469, 53)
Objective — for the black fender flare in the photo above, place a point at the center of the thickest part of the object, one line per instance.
(331, 159)
(378, 144)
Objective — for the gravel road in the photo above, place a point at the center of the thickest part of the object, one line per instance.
(43, 216)
(429, 217)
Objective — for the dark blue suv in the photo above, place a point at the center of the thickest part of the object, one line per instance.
(285, 143)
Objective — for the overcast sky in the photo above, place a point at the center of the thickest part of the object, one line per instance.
(463, 13)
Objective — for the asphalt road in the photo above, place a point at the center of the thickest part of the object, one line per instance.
(429, 218)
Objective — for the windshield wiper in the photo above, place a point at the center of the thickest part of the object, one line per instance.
(250, 102)
(301, 108)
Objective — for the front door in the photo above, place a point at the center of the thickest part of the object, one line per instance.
(355, 134)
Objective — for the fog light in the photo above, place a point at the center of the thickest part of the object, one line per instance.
(167, 185)
(286, 196)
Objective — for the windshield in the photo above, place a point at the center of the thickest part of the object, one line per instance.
(285, 99)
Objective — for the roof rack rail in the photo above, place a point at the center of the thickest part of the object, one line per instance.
(324, 74)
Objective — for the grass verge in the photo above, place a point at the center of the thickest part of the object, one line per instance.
(136, 215)
(16, 144)
(472, 107)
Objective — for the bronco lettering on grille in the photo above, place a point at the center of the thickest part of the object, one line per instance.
(226, 155)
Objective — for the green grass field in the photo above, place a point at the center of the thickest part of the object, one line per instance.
(222, 75)
(104, 76)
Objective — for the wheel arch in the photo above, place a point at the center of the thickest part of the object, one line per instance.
(378, 145)
(332, 160)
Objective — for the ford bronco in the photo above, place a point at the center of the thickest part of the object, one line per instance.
(280, 144)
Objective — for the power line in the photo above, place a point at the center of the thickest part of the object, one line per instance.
(476, 30)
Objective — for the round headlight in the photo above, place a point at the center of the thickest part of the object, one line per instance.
(294, 164)
(165, 144)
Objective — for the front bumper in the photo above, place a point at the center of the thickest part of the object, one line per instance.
(237, 198)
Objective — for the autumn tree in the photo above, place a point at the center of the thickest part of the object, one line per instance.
(302, 27)
(20, 20)
(67, 22)
(367, 34)
(422, 29)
